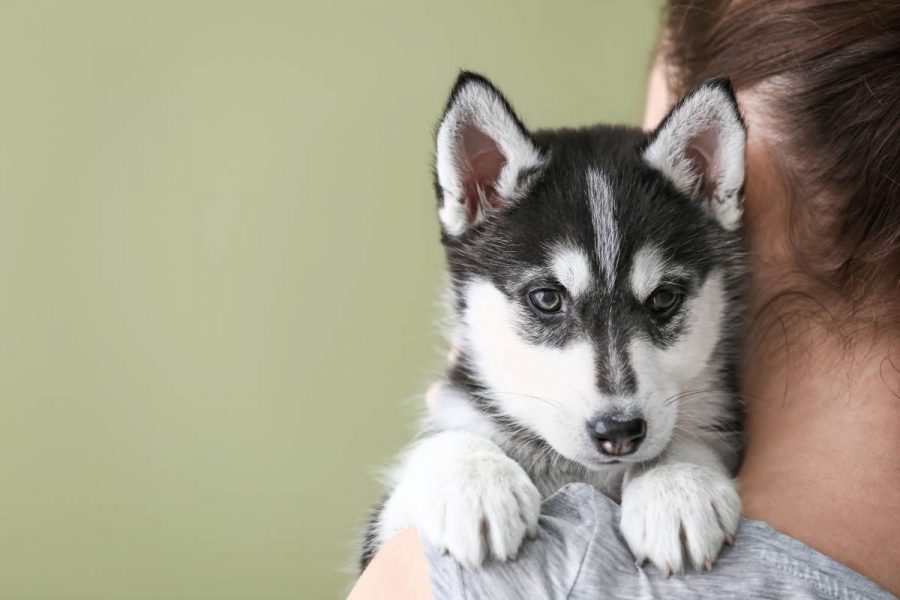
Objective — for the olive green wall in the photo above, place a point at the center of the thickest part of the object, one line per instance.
(220, 269)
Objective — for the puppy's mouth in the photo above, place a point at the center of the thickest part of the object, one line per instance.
(598, 462)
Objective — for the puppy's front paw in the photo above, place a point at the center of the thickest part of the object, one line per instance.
(679, 514)
(478, 507)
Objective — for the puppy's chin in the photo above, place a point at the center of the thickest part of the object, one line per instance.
(600, 462)
(590, 458)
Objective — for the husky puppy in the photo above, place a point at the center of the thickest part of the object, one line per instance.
(596, 282)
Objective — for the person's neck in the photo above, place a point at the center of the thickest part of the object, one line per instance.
(823, 425)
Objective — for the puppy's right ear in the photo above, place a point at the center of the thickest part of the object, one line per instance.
(484, 154)
(700, 147)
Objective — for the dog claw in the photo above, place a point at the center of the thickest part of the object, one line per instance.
(640, 562)
(667, 572)
(729, 539)
(707, 564)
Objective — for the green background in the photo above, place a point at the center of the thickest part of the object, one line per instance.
(220, 270)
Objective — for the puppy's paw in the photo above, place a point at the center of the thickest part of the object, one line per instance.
(679, 515)
(479, 506)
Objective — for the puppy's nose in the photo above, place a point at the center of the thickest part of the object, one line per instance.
(615, 437)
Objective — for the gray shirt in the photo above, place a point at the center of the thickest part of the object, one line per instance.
(580, 553)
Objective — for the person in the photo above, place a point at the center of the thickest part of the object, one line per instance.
(818, 82)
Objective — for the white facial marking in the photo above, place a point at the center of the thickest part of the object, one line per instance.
(605, 228)
(481, 107)
(649, 269)
(689, 357)
(571, 268)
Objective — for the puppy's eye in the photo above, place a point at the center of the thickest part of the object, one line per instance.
(664, 301)
(546, 300)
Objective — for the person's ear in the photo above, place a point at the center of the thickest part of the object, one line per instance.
(484, 158)
(659, 97)
(700, 148)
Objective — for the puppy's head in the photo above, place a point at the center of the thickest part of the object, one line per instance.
(594, 270)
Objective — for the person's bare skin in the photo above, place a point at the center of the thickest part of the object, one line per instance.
(397, 571)
(822, 461)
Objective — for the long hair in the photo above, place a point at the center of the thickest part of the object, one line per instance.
(829, 75)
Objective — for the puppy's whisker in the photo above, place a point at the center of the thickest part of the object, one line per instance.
(495, 394)
(711, 391)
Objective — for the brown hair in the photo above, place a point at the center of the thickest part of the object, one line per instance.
(829, 74)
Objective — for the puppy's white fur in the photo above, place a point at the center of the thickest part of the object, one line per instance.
(572, 268)
(689, 494)
(465, 495)
(649, 270)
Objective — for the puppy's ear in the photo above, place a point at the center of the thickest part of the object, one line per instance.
(486, 158)
(700, 147)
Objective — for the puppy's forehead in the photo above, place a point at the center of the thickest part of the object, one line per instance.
(595, 261)
(575, 226)
(607, 241)
(602, 227)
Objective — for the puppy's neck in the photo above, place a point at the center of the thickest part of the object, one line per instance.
(823, 429)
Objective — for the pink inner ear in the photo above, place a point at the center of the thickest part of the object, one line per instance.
(482, 162)
(702, 150)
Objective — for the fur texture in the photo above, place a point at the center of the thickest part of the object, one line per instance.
(596, 278)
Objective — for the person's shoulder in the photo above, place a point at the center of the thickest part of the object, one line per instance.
(579, 550)
(582, 491)
(583, 504)
(547, 566)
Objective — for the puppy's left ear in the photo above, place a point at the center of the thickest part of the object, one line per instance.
(700, 147)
